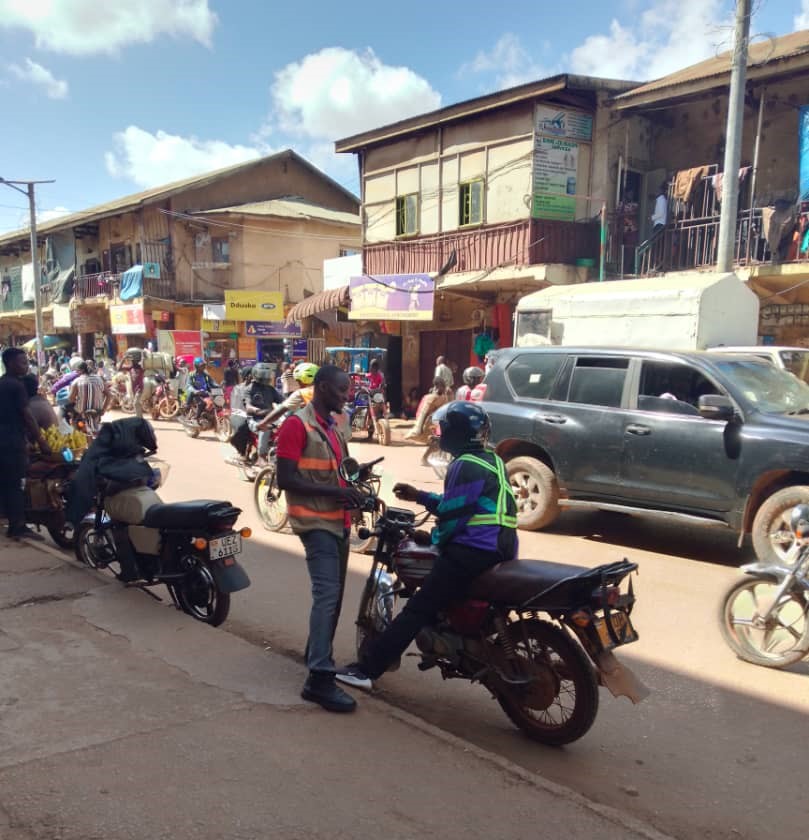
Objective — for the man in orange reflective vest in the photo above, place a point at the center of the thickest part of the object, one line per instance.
(311, 446)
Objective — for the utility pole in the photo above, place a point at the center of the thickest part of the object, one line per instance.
(733, 141)
(32, 209)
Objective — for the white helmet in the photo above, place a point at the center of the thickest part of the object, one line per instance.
(75, 362)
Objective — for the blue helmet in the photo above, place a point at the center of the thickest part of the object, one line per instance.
(199, 361)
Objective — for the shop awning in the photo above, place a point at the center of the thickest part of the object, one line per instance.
(321, 302)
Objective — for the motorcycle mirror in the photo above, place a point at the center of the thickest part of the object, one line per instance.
(349, 470)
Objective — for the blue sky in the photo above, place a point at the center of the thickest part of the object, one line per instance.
(111, 97)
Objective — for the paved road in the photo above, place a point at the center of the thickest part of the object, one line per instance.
(711, 754)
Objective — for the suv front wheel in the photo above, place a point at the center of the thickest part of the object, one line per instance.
(536, 491)
(772, 537)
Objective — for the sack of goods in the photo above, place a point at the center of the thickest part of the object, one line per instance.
(130, 506)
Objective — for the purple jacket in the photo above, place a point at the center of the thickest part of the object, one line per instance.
(64, 381)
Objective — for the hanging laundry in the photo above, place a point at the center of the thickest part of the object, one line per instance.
(132, 283)
(686, 180)
(717, 181)
(776, 223)
(483, 343)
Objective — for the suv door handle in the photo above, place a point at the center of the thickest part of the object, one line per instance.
(554, 418)
(637, 429)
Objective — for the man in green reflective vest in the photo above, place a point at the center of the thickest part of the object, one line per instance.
(477, 528)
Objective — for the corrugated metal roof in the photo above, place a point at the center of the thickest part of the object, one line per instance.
(130, 202)
(287, 208)
(762, 54)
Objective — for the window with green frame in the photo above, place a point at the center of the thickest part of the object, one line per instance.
(470, 203)
(407, 212)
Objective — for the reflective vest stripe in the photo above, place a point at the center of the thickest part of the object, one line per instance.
(303, 511)
(500, 516)
(316, 464)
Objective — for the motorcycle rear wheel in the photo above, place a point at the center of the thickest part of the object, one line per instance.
(562, 705)
(384, 433)
(95, 549)
(270, 503)
(224, 431)
(200, 597)
(63, 534)
(782, 641)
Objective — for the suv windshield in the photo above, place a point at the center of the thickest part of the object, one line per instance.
(769, 389)
(797, 362)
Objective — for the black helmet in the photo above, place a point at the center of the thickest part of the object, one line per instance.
(464, 425)
(473, 376)
(262, 373)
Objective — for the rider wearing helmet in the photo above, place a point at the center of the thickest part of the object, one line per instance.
(261, 397)
(304, 374)
(199, 382)
(476, 529)
(472, 377)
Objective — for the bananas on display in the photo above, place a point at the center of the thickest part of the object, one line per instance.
(76, 440)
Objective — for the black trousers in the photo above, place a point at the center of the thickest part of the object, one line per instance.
(12, 495)
(449, 581)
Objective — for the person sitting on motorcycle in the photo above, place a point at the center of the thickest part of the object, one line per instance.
(67, 378)
(88, 392)
(199, 382)
(304, 374)
(472, 377)
(376, 379)
(261, 397)
(476, 529)
(41, 410)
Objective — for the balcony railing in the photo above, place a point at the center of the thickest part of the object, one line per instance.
(528, 242)
(691, 244)
(107, 284)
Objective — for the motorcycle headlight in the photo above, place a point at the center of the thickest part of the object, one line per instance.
(379, 398)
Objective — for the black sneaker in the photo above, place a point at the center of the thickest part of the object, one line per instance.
(354, 675)
(26, 533)
(321, 688)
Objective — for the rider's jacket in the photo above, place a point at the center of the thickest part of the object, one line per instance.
(200, 382)
(477, 508)
(318, 463)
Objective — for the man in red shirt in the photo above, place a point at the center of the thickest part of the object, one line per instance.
(311, 446)
(375, 377)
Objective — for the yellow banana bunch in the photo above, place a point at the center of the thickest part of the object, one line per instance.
(57, 441)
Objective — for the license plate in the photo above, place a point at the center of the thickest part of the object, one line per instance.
(624, 631)
(225, 546)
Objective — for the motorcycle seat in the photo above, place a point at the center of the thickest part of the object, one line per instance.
(188, 516)
(516, 581)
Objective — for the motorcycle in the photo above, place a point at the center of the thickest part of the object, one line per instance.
(165, 404)
(45, 488)
(368, 414)
(191, 547)
(544, 672)
(764, 617)
(121, 397)
(271, 504)
(210, 416)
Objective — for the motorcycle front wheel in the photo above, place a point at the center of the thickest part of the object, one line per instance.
(781, 640)
(224, 431)
(167, 408)
(200, 597)
(271, 504)
(383, 432)
(559, 702)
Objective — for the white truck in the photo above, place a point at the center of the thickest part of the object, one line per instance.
(690, 311)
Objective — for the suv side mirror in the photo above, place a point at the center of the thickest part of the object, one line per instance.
(716, 407)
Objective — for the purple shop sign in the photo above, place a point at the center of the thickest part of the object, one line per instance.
(271, 329)
(300, 348)
(392, 297)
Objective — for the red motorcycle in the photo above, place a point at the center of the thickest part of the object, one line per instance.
(165, 404)
(206, 410)
(539, 636)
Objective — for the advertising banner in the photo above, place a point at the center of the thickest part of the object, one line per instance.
(271, 329)
(803, 152)
(185, 343)
(220, 326)
(61, 316)
(128, 319)
(555, 164)
(246, 348)
(392, 297)
(254, 306)
(555, 122)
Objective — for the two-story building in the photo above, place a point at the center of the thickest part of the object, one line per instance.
(262, 226)
(502, 190)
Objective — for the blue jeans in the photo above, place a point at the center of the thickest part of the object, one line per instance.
(327, 560)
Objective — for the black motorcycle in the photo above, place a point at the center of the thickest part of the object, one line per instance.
(191, 547)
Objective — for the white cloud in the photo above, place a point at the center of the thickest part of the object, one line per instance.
(84, 27)
(509, 61)
(41, 76)
(52, 213)
(152, 159)
(665, 36)
(337, 92)
(801, 20)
